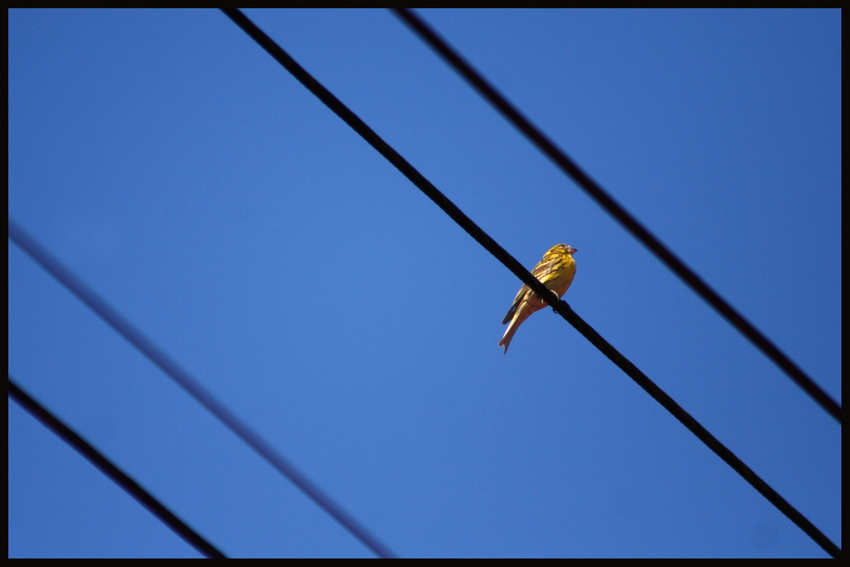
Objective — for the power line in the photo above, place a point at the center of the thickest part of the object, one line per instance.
(156, 355)
(510, 262)
(701, 432)
(613, 208)
(117, 475)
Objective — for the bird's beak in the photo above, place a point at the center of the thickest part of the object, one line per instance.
(571, 250)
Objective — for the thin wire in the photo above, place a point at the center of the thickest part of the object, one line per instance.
(117, 475)
(510, 262)
(156, 355)
(701, 432)
(613, 208)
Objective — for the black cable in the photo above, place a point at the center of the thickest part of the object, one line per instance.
(701, 432)
(510, 262)
(618, 212)
(117, 475)
(192, 386)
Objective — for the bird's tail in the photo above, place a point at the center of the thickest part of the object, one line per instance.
(509, 333)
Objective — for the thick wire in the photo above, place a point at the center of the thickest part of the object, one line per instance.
(156, 355)
(510, 262)
(117, 475)
(613, 208)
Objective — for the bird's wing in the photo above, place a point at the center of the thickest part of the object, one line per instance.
(550, 267)
(515, 304)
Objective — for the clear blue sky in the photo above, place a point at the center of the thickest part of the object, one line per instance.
(180, 171)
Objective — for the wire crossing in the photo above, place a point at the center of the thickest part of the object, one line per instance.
(454, 59)
(511, 263)
(118, 476)
(156, 355)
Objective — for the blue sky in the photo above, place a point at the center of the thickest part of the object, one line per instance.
(212, 200)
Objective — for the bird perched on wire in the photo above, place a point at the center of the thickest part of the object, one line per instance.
(555, 271)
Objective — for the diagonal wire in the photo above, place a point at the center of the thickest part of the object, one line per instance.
(192, 386)
(510, 262)
(117, 475)
(701, 432)
(613, 208)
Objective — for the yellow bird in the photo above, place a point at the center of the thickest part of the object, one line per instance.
(555, 271)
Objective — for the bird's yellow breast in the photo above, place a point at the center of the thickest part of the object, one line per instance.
(562, 275)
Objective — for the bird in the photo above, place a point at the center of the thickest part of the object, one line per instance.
(555, 271)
